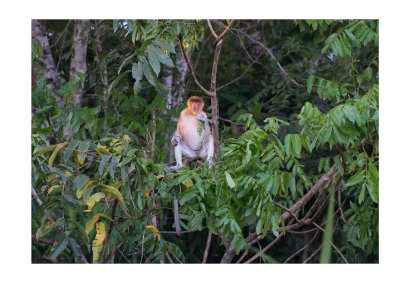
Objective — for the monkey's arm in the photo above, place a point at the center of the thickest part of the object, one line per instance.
(176, 138)
(203, 117)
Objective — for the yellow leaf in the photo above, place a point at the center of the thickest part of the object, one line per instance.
(126, 138)
(101, 148)
(53, 188)
(115, 142)
(98, 240)
(160, 177)
(118, 149)
(67, 174)
(90, 224)
(81, 191)
(154, 230)
(55, 152)
(114, 191)
(52, 176)
(93, 199)
(188, 182)
(75, 155)
(228, 21)
(47, 149)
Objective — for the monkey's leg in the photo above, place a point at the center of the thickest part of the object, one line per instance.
(182, 148)
(207, 151)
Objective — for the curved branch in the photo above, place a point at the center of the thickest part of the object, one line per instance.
(224, 32)
(211, 29)
(190, 67)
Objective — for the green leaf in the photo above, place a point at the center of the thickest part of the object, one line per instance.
(361, 196)
(104, 162)
(356, 179)
(114, 161)
(68, 151)
(296, 142)
(288, 144)
(275, 226)
(59, 248)
(229, 180)
(116, 80)
(153, 60)
(164, 45)
(79, 182)
(162, 57)
(338, 163)
(82, 151)
(137, 71)
(310, 82)
(148, 73)
(368, 73)
(186, 196)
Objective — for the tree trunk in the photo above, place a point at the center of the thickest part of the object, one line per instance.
(39, 36)
(179, 85)
(228, 256)
(104, 75)
(78, 65)
(78, 62)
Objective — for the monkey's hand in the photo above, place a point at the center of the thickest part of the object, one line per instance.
(176, 138)
(201, 118)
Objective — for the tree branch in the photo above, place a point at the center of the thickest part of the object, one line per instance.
(207, 247)
(211, 29)
(303, 248)
(224, 32)
(190, 67)
(265, 249)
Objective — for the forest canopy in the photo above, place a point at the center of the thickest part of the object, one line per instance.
(294, 111)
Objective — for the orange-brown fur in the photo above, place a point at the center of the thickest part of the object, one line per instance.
(200, 145)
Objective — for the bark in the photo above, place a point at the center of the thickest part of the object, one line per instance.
(78, 65)
(39, 36)
(228, 256)
(78, 62)
(104, 75)
(179, 84)
(167, 80)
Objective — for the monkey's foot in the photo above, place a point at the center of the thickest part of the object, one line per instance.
(175, 168)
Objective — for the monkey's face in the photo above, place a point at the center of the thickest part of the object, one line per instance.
(195, 105)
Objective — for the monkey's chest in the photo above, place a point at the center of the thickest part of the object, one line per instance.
(190, 133)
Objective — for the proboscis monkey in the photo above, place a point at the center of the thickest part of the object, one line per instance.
(191, 138)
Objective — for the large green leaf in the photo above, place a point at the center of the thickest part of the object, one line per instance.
(229, 180)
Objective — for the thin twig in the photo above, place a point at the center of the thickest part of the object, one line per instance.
(265, 249)
(265, 48)
(224, 32)
(241, 76)
(211, 29)
(176, 217)
(207, 247)
(113, 252)
(153, 140)
(303, 248)
(333, 245)
(229, 121)
(169, 258)
(190, 67)
(313, 254)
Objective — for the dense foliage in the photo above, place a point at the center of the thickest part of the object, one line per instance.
(299, 122)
